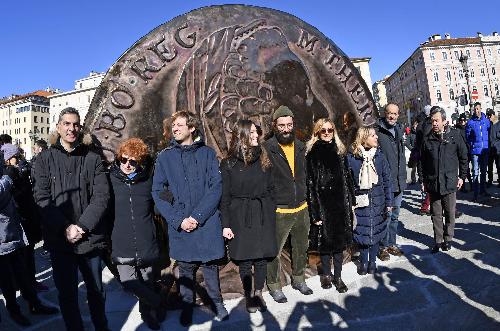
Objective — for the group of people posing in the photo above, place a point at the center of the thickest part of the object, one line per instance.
(322, 194)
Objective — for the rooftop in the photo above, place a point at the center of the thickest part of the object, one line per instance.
(14, 97)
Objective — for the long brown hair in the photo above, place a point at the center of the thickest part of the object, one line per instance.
(316, 132)
(240, 143)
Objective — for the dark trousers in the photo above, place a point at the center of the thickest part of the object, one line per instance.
(260, 269)
(393, 221)
(29, 256)
(443, 205)
(327, 265)
(14, 272)
(368, 253)
(65, 266)
(493, 158)
(187, 274)
(140, 282)
(297, 226)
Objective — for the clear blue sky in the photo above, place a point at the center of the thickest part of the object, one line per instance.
(52, 43)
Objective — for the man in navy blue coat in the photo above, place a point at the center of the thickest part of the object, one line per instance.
(187, 188)
(476, 134)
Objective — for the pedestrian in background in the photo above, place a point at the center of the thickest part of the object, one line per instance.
(493, 152)
(374, 196)
(444, 166)
(476, 133)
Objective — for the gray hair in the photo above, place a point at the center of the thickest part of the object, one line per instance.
(437, 109)
(68, 110)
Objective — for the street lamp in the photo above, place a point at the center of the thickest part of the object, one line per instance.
(33, 135)
(463, 60)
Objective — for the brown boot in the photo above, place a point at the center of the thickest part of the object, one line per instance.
(394, 250)
(259, 301)
(383, 254)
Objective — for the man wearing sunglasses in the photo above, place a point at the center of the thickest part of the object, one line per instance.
(391, 142)
(72, 191)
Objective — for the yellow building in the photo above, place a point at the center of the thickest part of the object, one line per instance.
(26, 118)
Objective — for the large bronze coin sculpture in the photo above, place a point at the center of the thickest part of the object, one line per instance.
(224, 63)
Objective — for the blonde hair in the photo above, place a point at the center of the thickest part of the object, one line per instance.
(361, 136)
(316, 132)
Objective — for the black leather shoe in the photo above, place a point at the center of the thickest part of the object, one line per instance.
(326, 281)
(250, 303)
(446, 246)
(362, 269)
(186, 318)
(340, 285)
(435, 249)
(302, 288)
(161, 313)
(372, 268)
(20, 319)
(41, 309)
(278, 296)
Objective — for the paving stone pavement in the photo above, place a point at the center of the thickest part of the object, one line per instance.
(457, 290)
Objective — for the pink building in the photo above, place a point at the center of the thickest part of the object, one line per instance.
(434, 75)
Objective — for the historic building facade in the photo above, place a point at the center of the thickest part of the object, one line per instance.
(449, 72)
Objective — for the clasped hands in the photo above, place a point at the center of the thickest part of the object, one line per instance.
(74, 233)
(189, 224)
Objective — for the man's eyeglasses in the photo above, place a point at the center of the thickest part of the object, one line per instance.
(325, 131)
(132, 163)
(285, 126)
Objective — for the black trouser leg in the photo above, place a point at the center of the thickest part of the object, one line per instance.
(211, 276)
(326, 265)
(245, 268)
(65, 274)
(260, 271)
(7, 284)
(91, 269)
(29, 256)
(338, 258)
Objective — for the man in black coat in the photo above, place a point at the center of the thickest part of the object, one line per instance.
(492, 157)
(287, 154)
(391, 142)
(444, 167)
(72, 192)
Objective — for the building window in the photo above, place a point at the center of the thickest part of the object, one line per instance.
(88, 98)
(472, 73)
(448, 75)
(438, 95)
(35, 119)
(452, 94)
(489, 51)
(432, 56)
(53, 118)
(25, 141)
(48, 120)
(497, 92)
(41, 130)
(24, 119)
(485, 89)
(35, 128)
(445, 56)
(24, 130)
(493, 71)
(457, 56)
(467, 52)
(436, 77)
(482, 72)
(478, 53)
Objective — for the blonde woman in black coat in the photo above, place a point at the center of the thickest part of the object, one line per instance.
(329, 196)
(248, 210)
